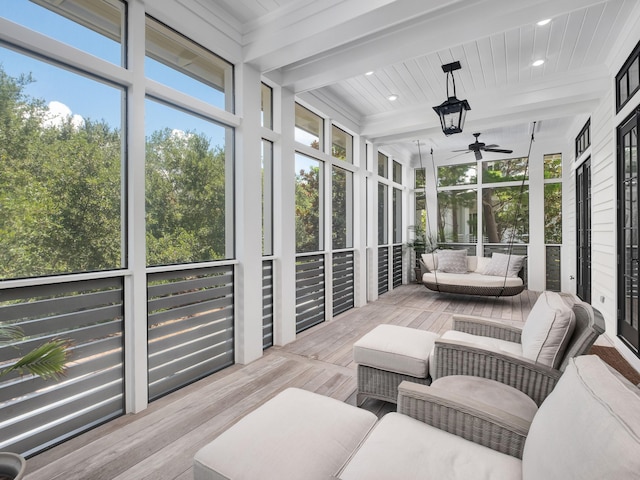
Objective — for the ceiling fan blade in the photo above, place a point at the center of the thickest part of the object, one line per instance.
(492, 145)
(465, 150)
(498, 150)
(478, 155)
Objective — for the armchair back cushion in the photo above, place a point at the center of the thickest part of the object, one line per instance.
(547, 331)
(588, 427)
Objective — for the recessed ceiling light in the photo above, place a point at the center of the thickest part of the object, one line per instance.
(542, 23)
(393, 97)
(537, 63)
(369, 73)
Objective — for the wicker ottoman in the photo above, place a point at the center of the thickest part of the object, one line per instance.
(389, 354)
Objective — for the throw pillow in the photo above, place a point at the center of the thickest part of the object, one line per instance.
(452, 261)
(547, 330)
(483, 262)
(430, 261)
(501, 263)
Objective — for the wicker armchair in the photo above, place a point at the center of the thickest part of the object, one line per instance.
(454, 357)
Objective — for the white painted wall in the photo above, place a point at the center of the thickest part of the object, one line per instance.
(604, 226)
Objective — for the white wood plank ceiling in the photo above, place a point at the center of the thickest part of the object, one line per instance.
(324, 48)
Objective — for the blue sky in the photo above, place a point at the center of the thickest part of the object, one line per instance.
(87, 97)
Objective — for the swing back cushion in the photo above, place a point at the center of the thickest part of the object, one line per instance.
(502, 265)
(452, 261)
(548, 329)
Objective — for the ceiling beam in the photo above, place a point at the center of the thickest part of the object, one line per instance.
(427, 33)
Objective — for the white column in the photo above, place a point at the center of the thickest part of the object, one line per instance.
(361, 211)
(537, 252)
(248, 281)
(135, 326)
(284, 221)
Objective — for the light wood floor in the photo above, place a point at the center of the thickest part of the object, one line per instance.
(160, 442)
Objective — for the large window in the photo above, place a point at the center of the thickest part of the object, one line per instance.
(309, 204)
(457, 204)
(341, 144)
(397, 215)
(451, 175)
(553, 199)
(266, 106)
(267, 197)
(505, 201)
(94, 26)
(383, 165)
(188, 175)
(309, 128)
(180, 63)
(342, 202)
(397, 172)
(61, 175)
(583, 140)
(383, 214)
(628, 79)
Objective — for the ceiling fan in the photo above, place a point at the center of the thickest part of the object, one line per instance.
(477, 147)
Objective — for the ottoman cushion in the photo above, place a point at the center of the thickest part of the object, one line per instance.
(296, 434)
(490, 392)
(397, 349)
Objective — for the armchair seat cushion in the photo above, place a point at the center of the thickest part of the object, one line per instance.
(404, 448)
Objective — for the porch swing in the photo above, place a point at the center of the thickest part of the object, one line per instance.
(482, 276)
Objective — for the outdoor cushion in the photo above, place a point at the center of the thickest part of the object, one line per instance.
(502, 264)
(452, 261)
(430, 261)
(397, 349)
(487, 343)
(400, 447)
(588, 427)
(547, 329)
(297, 434)
(482, 263)
(472, 279)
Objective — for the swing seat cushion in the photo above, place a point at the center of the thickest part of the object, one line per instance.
(471, 279)
(474, 281)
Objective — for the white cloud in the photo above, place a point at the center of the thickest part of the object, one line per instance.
(59, 113)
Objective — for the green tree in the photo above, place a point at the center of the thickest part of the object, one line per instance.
(308, 210)
(185, 198)
(60, 184)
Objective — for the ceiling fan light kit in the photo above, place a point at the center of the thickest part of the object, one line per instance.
(452, 112)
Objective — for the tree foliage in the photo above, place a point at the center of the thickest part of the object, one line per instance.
(61, 204)
(308, 210)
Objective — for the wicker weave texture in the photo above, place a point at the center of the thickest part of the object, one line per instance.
(486, 328)
(382, 384)
(475, 290)
(470, 426)
(536, 381)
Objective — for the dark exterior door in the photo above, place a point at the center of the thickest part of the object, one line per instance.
(583, 228)
(629, 222)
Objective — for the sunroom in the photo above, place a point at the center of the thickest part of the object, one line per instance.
(186, 184)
